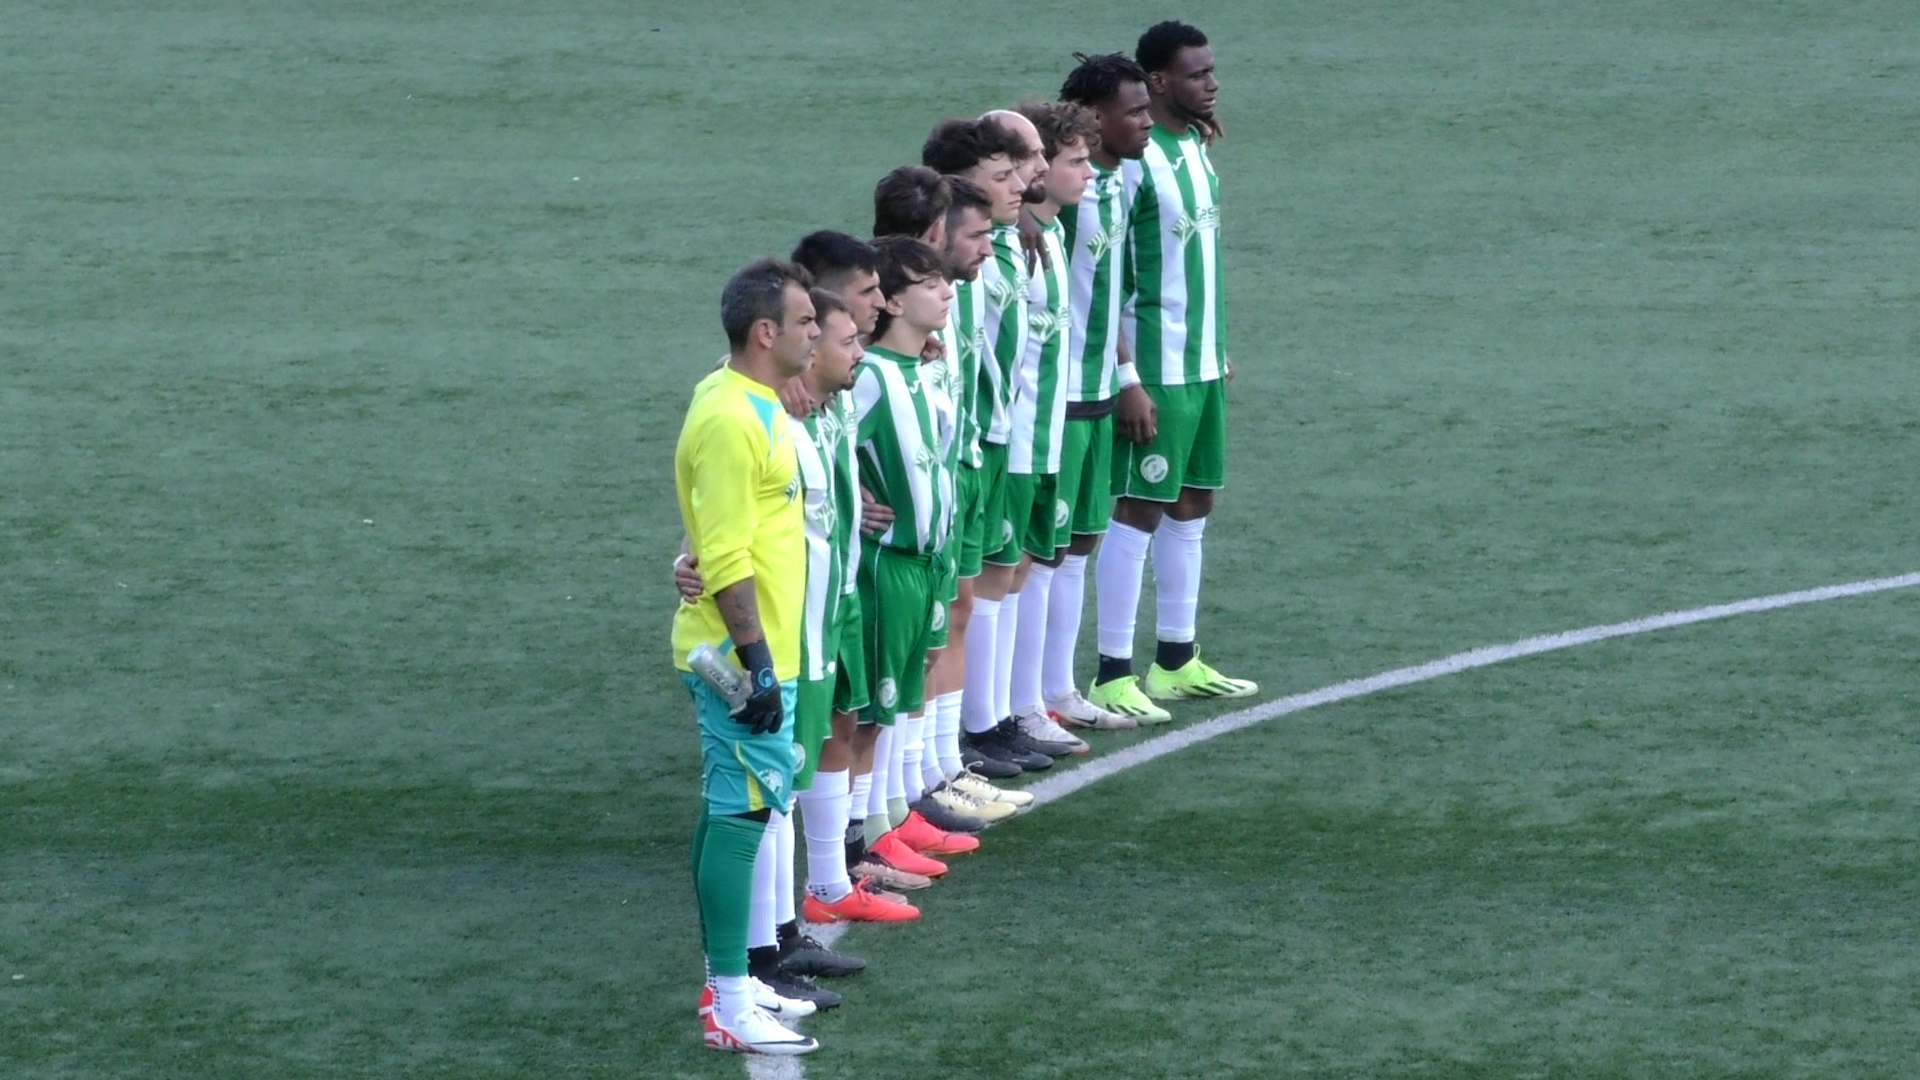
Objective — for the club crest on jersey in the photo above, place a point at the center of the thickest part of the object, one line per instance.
(889, 694)
(1192, 225)
(1062, 513)
(1000, 291)
(1153, 468)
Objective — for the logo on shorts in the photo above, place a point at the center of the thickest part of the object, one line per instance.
(799, 758)
(773, 781)
(1153, 468)
(889, 694)
(1006, 531)
(939, 617)
(1062, 513)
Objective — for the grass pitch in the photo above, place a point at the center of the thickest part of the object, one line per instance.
(342, 349)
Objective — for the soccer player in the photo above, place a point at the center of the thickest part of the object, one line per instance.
(903, 441)
(1165, 476)
(738, 483)
(912, 200)
(1041, 509)
(1099, 365)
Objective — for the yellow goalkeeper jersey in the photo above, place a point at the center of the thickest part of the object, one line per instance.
(739, 487)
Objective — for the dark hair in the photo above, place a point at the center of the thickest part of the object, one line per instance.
(830, 255)
(1163, 41)
(826, 303)
(1061, 122)
(758, 291)
(1098, 78)
(910, 200)
(904, 261)
(954, 146)
(966, 196)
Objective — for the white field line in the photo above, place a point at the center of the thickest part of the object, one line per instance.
(1059, 787)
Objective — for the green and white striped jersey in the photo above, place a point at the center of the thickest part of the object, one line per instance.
(1037, 407)
(1004, 280)
(1096, 243)
(903, 450)
(823, 443)
(965, 336)
(1173, 242)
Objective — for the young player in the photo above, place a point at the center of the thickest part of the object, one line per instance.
(1040, 508)
(738, 483)
(1099, 364)
(912, 200)
(1165, 474)
(903, 445)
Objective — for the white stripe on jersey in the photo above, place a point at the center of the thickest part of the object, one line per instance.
(816, 480)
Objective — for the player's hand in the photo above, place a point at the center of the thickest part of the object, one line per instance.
(687, 579)
(874, 516)
(763, 712)
(1228, 361)
(795, 396)
(934, 349)
(1136, 418)
(1212, 130)
(1033, 243)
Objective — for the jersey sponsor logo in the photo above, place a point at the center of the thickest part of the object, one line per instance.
(1001, 292)
(1062, 513)
(889, 694)
(1102, 242)
(1192, 225)
(1045, 324)
(1153, 468)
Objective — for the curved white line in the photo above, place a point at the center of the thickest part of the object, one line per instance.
(1059, 787)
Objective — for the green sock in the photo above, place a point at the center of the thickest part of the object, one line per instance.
(877, 827)
(699, 849)
(725, 884)
(897, 809)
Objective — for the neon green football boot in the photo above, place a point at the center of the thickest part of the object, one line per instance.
(1195, 679)
(1123, 697)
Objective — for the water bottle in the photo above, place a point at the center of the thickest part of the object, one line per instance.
(721, 674)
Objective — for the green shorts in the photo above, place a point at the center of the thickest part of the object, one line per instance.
(1086, 473)
(996, 528)
(1189, 448)
(812, 726)
(947, 590)
(850, 675)
(897, 593)
(969, 517)
(743, 773)
(1041, 515)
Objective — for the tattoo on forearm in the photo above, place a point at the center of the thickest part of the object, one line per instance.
(740, 610)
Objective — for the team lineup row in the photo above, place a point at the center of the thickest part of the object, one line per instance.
(894, 484)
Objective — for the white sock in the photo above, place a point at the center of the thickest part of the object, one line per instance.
(882, 758)
(761, 926)
(1176, 576)
(1116, 594)
(1003, 657)
(732, 995)
(1030, 640)
(823, 815)
(916, 745)
(1064, 605)
(983, 650)
(783, 912)
(859, 792)
(896, 772)
(946, 737)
